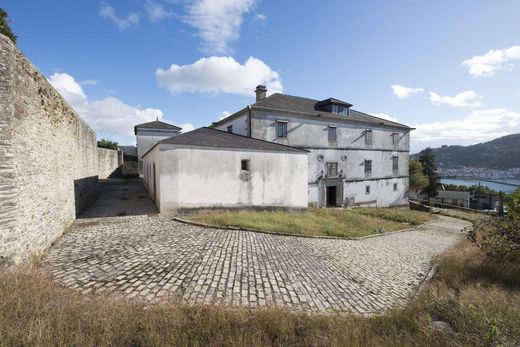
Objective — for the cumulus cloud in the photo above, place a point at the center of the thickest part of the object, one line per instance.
(216, 75)
(186, 127)
(468, 98)
(218, 22)
(480, 125)
(493, 61)
(403, 92)
(156, 11)
(107, 11)
(109, 117)
(385, 116)
(224, 114)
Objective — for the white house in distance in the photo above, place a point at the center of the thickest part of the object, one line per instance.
(148, 134)
(208, 168)
(355, 159)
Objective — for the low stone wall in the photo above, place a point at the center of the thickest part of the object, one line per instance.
(110, 163)
(48, 159)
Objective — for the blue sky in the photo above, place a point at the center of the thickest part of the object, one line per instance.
(449, 68)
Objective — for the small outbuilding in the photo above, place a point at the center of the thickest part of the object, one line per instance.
(212, 169)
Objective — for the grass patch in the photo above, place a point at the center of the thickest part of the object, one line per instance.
(319, 222)
(479, 298)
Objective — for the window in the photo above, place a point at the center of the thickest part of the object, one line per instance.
(340, 109)
(368, 166)
(332, 134)
(395, 139)
(244, 165)
(367, 189)
(395, 187)
(332, 169)
(281, 129)
(395, 163)
(230, 129)
(368, 136)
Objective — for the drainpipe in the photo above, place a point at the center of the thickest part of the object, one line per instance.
(249, 121)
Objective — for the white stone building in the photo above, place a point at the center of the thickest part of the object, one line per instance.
(355, 159)
(208, 169)
(148, 134)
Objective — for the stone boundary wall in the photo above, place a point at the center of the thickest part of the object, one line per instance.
(48, 159)
(110, 163)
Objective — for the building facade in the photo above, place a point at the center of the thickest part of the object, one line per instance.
(148, 134)
(355, 159)
(211, 169)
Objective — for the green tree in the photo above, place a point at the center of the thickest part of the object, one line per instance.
(104, 143)
(5, 29)
(429, 167)
(417, 178)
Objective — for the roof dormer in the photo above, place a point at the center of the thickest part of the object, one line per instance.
(334, 106)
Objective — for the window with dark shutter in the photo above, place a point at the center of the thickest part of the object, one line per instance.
(368, 136)
(332, 134)
(395, 163)
(230, 129)
(244, 164)
(368, 166)
(281, 129)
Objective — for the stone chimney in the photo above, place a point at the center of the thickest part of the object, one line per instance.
(261, 92)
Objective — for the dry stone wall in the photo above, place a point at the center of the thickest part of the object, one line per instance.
(48, 158)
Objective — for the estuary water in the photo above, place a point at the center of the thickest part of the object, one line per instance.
(498, 185)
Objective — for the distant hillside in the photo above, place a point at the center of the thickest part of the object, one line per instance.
(502, 154)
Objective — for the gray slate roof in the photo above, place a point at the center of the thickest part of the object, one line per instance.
(304, 105)
(207, 137)
(156, 124)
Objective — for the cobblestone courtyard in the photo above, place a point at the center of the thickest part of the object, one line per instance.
(150, 257)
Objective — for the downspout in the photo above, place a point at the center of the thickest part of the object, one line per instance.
(249, 121)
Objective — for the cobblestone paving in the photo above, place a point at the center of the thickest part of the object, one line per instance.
(150, 257)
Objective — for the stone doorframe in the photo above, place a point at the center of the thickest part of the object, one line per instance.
(322, 191)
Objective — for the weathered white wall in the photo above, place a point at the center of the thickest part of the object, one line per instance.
(147, 138)
(193, 178)
(48, 158)
(349, 151)
(151, 159)
(240, 124)
(109, 162)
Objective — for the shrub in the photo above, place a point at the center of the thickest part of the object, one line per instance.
(500, 237)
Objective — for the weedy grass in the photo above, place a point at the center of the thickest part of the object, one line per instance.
(319, 222)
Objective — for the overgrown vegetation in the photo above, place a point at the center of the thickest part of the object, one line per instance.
(104, 143)
(499, 237)
(317, 222)
(5, 29)
(476, 296)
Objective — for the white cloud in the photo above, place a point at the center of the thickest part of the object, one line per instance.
(109, 117)
(186, 127)
(156, 11)
(107, 11)
(261, 17)
(467, 98)
(218, 22)
(385, 116)
(493, 61)
(403, 92)
(88, 82)
(480, 125)
(216, 75)
(224, 114)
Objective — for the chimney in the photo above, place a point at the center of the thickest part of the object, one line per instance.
(261, 92)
